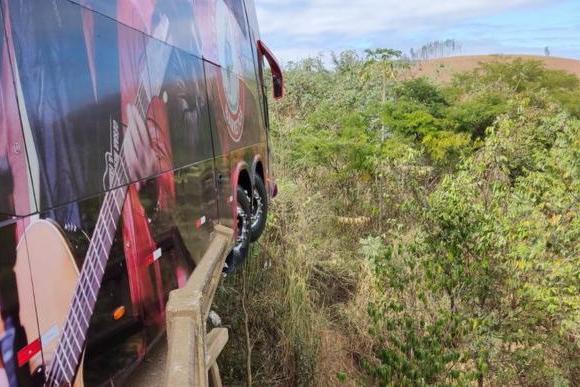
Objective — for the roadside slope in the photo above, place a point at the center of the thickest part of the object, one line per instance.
(443, 69)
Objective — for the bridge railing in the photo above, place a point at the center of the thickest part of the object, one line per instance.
(192, 352)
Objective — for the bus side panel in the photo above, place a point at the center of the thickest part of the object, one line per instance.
(261, 99)
(18, 327)
(82, 75)
(115, 338)
(15, 180)
(164, 229)
(236, 132)
(234, 111)
(171, 231)
(231, 77)
(20, 353)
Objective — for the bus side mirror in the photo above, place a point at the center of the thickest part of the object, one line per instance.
(277, 76)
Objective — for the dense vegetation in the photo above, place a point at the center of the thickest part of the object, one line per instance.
(424, 234)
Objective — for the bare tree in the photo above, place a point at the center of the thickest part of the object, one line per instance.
(436, 49)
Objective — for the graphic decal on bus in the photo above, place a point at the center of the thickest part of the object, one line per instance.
(231, 90)
(115, 134)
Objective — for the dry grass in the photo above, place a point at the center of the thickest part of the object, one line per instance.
(306, 296)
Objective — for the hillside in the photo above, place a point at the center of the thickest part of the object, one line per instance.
(442, 69)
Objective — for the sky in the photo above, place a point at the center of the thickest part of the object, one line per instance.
(295, 29)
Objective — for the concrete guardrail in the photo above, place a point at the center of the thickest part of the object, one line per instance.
(192, 352)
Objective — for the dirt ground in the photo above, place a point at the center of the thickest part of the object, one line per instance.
(443, 69)
(151, 373)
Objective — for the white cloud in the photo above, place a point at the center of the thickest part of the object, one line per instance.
(299, 28)
(352, 18)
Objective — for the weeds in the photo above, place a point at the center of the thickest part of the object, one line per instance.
(414, 240)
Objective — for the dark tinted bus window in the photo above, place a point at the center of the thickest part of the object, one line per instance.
(69, 71)
(170, 21)
(182, 117)
(225, 37)
(86, 87)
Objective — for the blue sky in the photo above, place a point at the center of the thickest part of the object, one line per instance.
(299, 28)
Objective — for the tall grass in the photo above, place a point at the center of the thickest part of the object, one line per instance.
(305, 296)
(386, 257)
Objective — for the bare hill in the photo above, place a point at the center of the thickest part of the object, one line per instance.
(443, 69)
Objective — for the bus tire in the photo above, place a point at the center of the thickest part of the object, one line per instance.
(241, 248)
(259, 208)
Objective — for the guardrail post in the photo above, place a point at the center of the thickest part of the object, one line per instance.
(192, 353)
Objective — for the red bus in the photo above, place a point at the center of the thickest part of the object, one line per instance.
(128, 130)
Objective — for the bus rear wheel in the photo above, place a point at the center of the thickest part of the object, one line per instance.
(259, 208)
(241, 248)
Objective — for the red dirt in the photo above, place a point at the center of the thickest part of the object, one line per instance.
(444, 68)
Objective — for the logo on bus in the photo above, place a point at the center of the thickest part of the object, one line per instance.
(230, 86)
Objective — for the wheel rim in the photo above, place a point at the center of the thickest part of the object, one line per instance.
(243, 229)
(257, 208)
